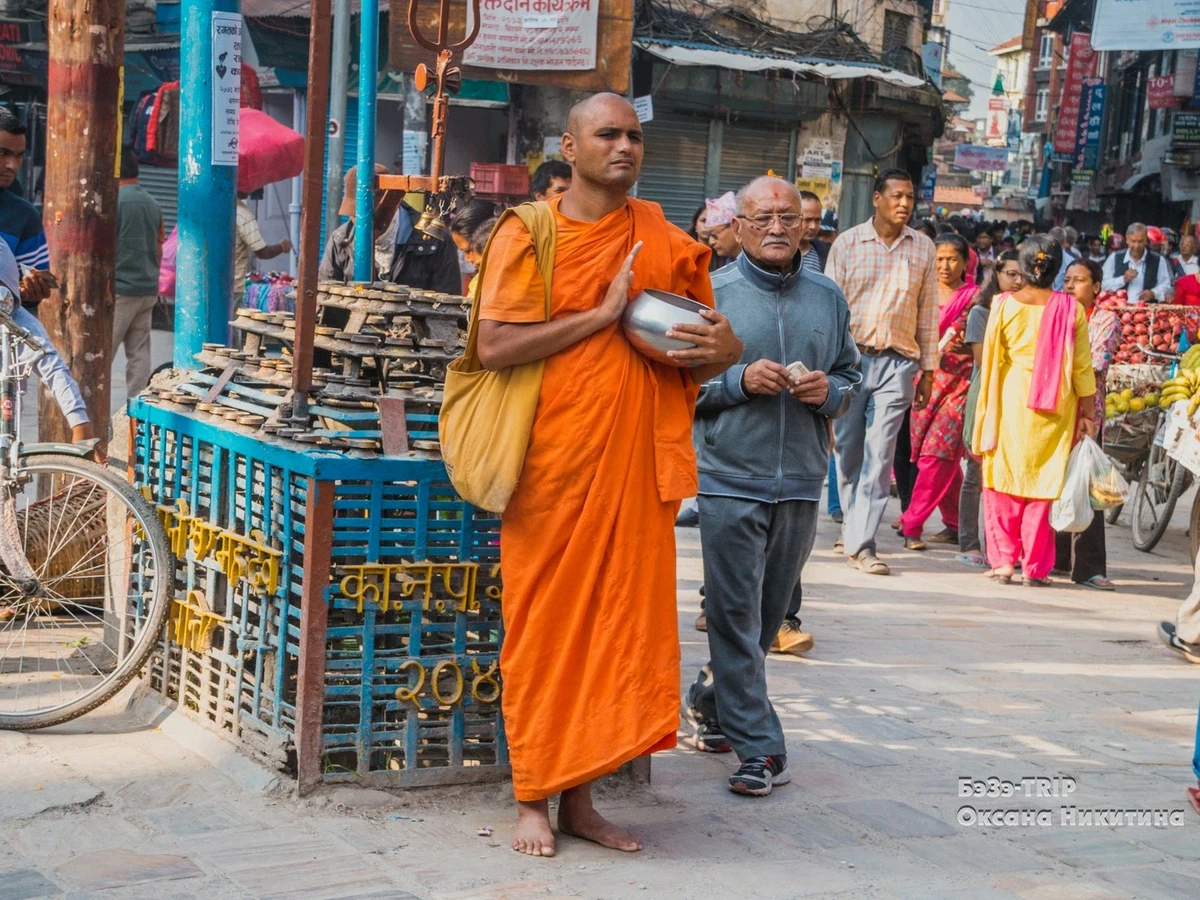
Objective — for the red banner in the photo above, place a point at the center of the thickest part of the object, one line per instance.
(1161, 89)
(1081, 64)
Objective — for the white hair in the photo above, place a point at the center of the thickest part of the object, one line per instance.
(1135, 228)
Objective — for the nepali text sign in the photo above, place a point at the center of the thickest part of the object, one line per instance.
(536, 34)
(981, 159)
(1161, 89)
(1185, 131)
(1146, 24)
(1091, 120)
(226, 87)
(1081, 63)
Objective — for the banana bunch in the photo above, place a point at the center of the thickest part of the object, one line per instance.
(1191, 358)
(1184, 386)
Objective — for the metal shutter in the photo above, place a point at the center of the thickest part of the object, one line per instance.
(747, 152)
(163, 185)
(673, 165)
(349, 156)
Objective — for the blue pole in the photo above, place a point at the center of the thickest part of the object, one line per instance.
(364, 206)
(207, 184)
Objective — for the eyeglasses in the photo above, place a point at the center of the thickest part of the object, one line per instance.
(787, 220)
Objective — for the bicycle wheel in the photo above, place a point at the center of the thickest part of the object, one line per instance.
(1162, 481)
(78, 630)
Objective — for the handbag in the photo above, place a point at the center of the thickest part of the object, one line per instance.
(487, 415)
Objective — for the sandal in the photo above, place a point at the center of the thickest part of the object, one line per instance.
(1000, 577)
(839, 547)
(1036, 582)
(914, 543)
(945, 536)
(974, 560)
(1099, 583)
(1193, 795)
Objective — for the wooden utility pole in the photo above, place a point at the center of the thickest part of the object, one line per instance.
(87, 49)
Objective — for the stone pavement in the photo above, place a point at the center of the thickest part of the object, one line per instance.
(915, 681)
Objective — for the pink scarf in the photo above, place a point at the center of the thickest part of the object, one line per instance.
(1056, 339)
(952, 310)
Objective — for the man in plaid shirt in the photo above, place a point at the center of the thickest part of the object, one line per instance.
(886, 271)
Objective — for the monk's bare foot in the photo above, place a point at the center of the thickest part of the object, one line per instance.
(533, 835)
(578, 818)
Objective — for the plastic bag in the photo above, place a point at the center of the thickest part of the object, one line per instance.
(1106, 486)
(1092, 483)
(166, 270)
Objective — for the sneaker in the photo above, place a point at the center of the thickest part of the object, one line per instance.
(757, 776)
(709, 738)
(791, 639)
(837, 516)
(1166, 633)
(689, 518)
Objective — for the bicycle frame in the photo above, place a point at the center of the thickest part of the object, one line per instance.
(13, 374)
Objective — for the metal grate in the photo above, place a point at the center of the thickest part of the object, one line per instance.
(410, 688)
(897, 31)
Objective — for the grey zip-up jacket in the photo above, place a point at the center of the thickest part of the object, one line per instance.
(772, 449)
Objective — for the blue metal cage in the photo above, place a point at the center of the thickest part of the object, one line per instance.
(335, 614)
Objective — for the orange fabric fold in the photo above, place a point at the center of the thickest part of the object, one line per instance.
(587, 544)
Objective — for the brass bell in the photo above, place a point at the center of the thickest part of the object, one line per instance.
(431, 224)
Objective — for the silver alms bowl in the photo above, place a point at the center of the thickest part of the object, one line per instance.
(651, 314)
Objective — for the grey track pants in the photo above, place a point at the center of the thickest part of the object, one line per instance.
(753, 554)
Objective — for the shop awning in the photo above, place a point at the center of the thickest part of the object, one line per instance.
(687, 54)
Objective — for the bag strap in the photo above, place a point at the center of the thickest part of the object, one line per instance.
(538, 219)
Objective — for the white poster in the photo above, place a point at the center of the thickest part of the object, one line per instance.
(412, 150)
(536, 34)
(1146, 25)
(226, 86)
(818, 159)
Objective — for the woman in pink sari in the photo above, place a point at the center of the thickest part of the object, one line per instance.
(937, 430)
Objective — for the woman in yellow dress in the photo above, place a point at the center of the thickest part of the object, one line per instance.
(1036, 396)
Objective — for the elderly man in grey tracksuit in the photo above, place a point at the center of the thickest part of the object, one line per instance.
(762, 440)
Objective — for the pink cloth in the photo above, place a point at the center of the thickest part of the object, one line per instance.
(937, 487)
(721, 211)
(972, 265)
(1056, 339)
(1018, 530)
(949, 313)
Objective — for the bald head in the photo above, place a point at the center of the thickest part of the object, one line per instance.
(603, 143)
(766, 187)
(601, 105)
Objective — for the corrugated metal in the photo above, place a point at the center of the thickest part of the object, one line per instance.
(748, 152)
(163, 185)
(673, 165)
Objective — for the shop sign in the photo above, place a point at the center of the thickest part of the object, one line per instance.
(14, 58)
(1185, 130)
(1091, 119)
(1146, 25)
(981, 159)
(1081, 64)
(1161, 90)
(536, 34)
(997, 123)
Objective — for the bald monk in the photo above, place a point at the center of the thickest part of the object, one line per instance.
(591, 649)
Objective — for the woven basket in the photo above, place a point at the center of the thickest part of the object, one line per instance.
(83, 505)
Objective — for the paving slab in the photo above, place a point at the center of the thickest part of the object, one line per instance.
(24, 884)
(103, 869)
(893, 818)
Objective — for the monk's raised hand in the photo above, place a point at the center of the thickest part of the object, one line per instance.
(716, 344)
(617, 296)
(765, 377)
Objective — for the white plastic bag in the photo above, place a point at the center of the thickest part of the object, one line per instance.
(1107, 487)
(1072, 511)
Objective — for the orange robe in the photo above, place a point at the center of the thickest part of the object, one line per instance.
(587, 543)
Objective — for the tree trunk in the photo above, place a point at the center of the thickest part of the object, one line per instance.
(87, 48)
